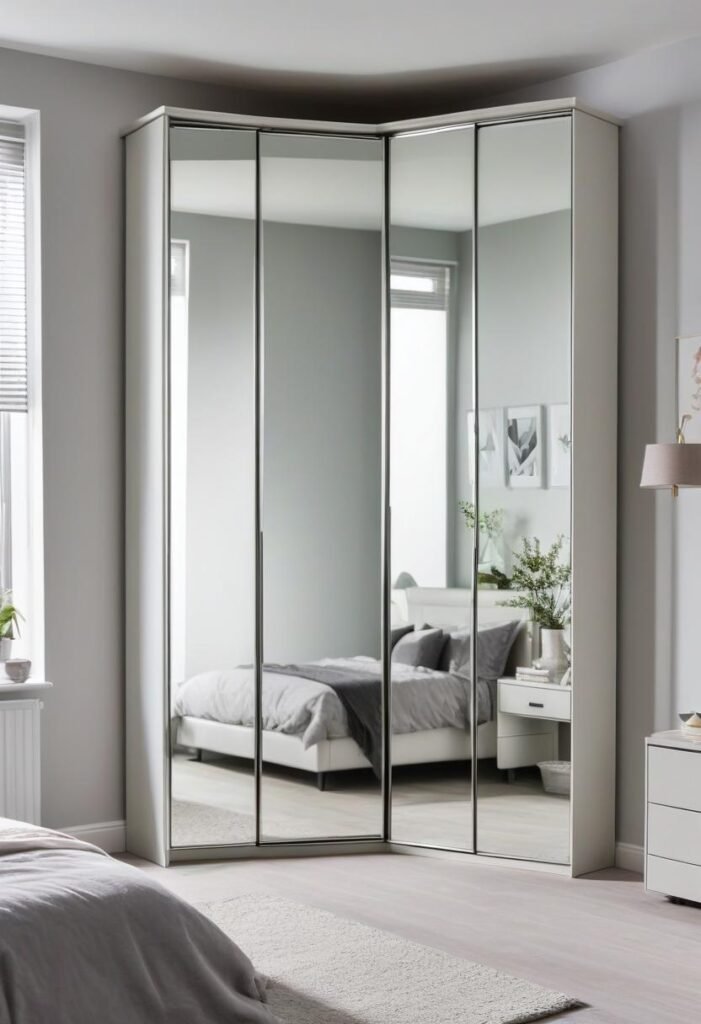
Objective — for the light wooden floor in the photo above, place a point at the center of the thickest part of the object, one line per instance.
(634, 958)
(430, 805)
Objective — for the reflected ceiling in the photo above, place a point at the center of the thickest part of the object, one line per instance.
(300, 190)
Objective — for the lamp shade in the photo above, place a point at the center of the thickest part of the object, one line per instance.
(672, 465)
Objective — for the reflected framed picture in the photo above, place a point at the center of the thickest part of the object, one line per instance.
(689, 386)
(524, 446)
(491, 447)
(559, 445)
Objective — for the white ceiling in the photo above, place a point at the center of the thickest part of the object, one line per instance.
(526, 173)
(353, 44)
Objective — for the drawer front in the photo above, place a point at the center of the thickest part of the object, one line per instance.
(674, 777)
(674, 834)
(672, 878)
(535, 702)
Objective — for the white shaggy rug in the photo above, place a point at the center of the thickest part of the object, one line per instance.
(323, 969)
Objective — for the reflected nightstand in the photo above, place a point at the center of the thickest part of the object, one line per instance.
(528, 717)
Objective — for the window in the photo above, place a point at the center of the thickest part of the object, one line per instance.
(419, 419)
(21, 548)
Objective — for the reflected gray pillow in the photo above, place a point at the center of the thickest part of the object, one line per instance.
(398, 632)
(494, 645)
(456, 650)
(448, 632)
(422, 648)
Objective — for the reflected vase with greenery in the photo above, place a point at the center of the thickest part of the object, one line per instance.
(491, 541)
(542, 579)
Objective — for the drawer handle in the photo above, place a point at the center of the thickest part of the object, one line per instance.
(534, 704)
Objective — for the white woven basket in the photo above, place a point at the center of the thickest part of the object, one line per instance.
(556, 776)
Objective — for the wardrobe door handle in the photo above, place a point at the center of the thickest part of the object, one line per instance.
(534, 704)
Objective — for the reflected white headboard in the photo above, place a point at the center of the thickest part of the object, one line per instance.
(452, 606)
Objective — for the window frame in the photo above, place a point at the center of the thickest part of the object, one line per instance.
(33, 627)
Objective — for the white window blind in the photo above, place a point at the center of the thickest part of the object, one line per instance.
(419, 285)
(13, 290)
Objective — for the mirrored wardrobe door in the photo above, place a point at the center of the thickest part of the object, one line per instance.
(431, 491)
(212, 485)
(524, 448)
(321, 208)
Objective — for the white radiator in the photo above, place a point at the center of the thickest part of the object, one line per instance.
(20, 762)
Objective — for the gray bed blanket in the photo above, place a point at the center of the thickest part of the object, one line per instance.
(296, 705)
(360, 692)
(86, 939)
(361, 695)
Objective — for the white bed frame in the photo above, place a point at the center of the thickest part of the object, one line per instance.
(416, 605)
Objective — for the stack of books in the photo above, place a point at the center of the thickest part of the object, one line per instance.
(533, 675)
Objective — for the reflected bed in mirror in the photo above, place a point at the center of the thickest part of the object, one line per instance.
(309, 723)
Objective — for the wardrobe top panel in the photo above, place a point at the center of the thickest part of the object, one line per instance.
(485, 114)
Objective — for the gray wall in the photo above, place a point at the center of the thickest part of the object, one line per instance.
(322, 418)
(83, 109)
(658, 94)
(322, 448)
(220, 507)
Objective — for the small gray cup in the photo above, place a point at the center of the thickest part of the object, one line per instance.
(18, 669)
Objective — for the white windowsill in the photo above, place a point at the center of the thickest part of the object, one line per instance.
(6, 686)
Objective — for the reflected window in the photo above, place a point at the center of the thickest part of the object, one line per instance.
(179, 266)
(420, 296)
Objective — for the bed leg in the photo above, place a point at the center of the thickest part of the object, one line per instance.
(321, 781)
(511, 775)
(198, 755)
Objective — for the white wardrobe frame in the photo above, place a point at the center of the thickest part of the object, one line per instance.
(594, 363)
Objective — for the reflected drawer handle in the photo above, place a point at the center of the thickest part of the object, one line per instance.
(534, 704)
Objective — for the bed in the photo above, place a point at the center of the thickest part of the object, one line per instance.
(85, 938)
(305, 728)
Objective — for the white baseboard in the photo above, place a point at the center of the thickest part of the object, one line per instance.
(110, 836)
(629, 857)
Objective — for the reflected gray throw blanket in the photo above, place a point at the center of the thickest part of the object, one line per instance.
(361, 695)
(360, 692)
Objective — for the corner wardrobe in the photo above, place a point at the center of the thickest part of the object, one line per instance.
(371, 485)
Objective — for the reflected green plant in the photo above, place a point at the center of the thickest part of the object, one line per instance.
(544, 580)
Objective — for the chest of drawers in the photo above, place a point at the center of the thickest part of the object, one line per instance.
(673, 816)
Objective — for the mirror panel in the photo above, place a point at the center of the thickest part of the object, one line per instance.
(212, 485)
(431, 350)
(321, 209)
(524, 444)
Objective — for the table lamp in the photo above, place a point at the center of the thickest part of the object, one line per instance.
(672, 465)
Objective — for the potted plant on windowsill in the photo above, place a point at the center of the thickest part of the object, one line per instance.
(9, 624)
(543, 582)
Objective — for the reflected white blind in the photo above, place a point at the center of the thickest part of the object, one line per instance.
(419, 285)
(13, 272)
